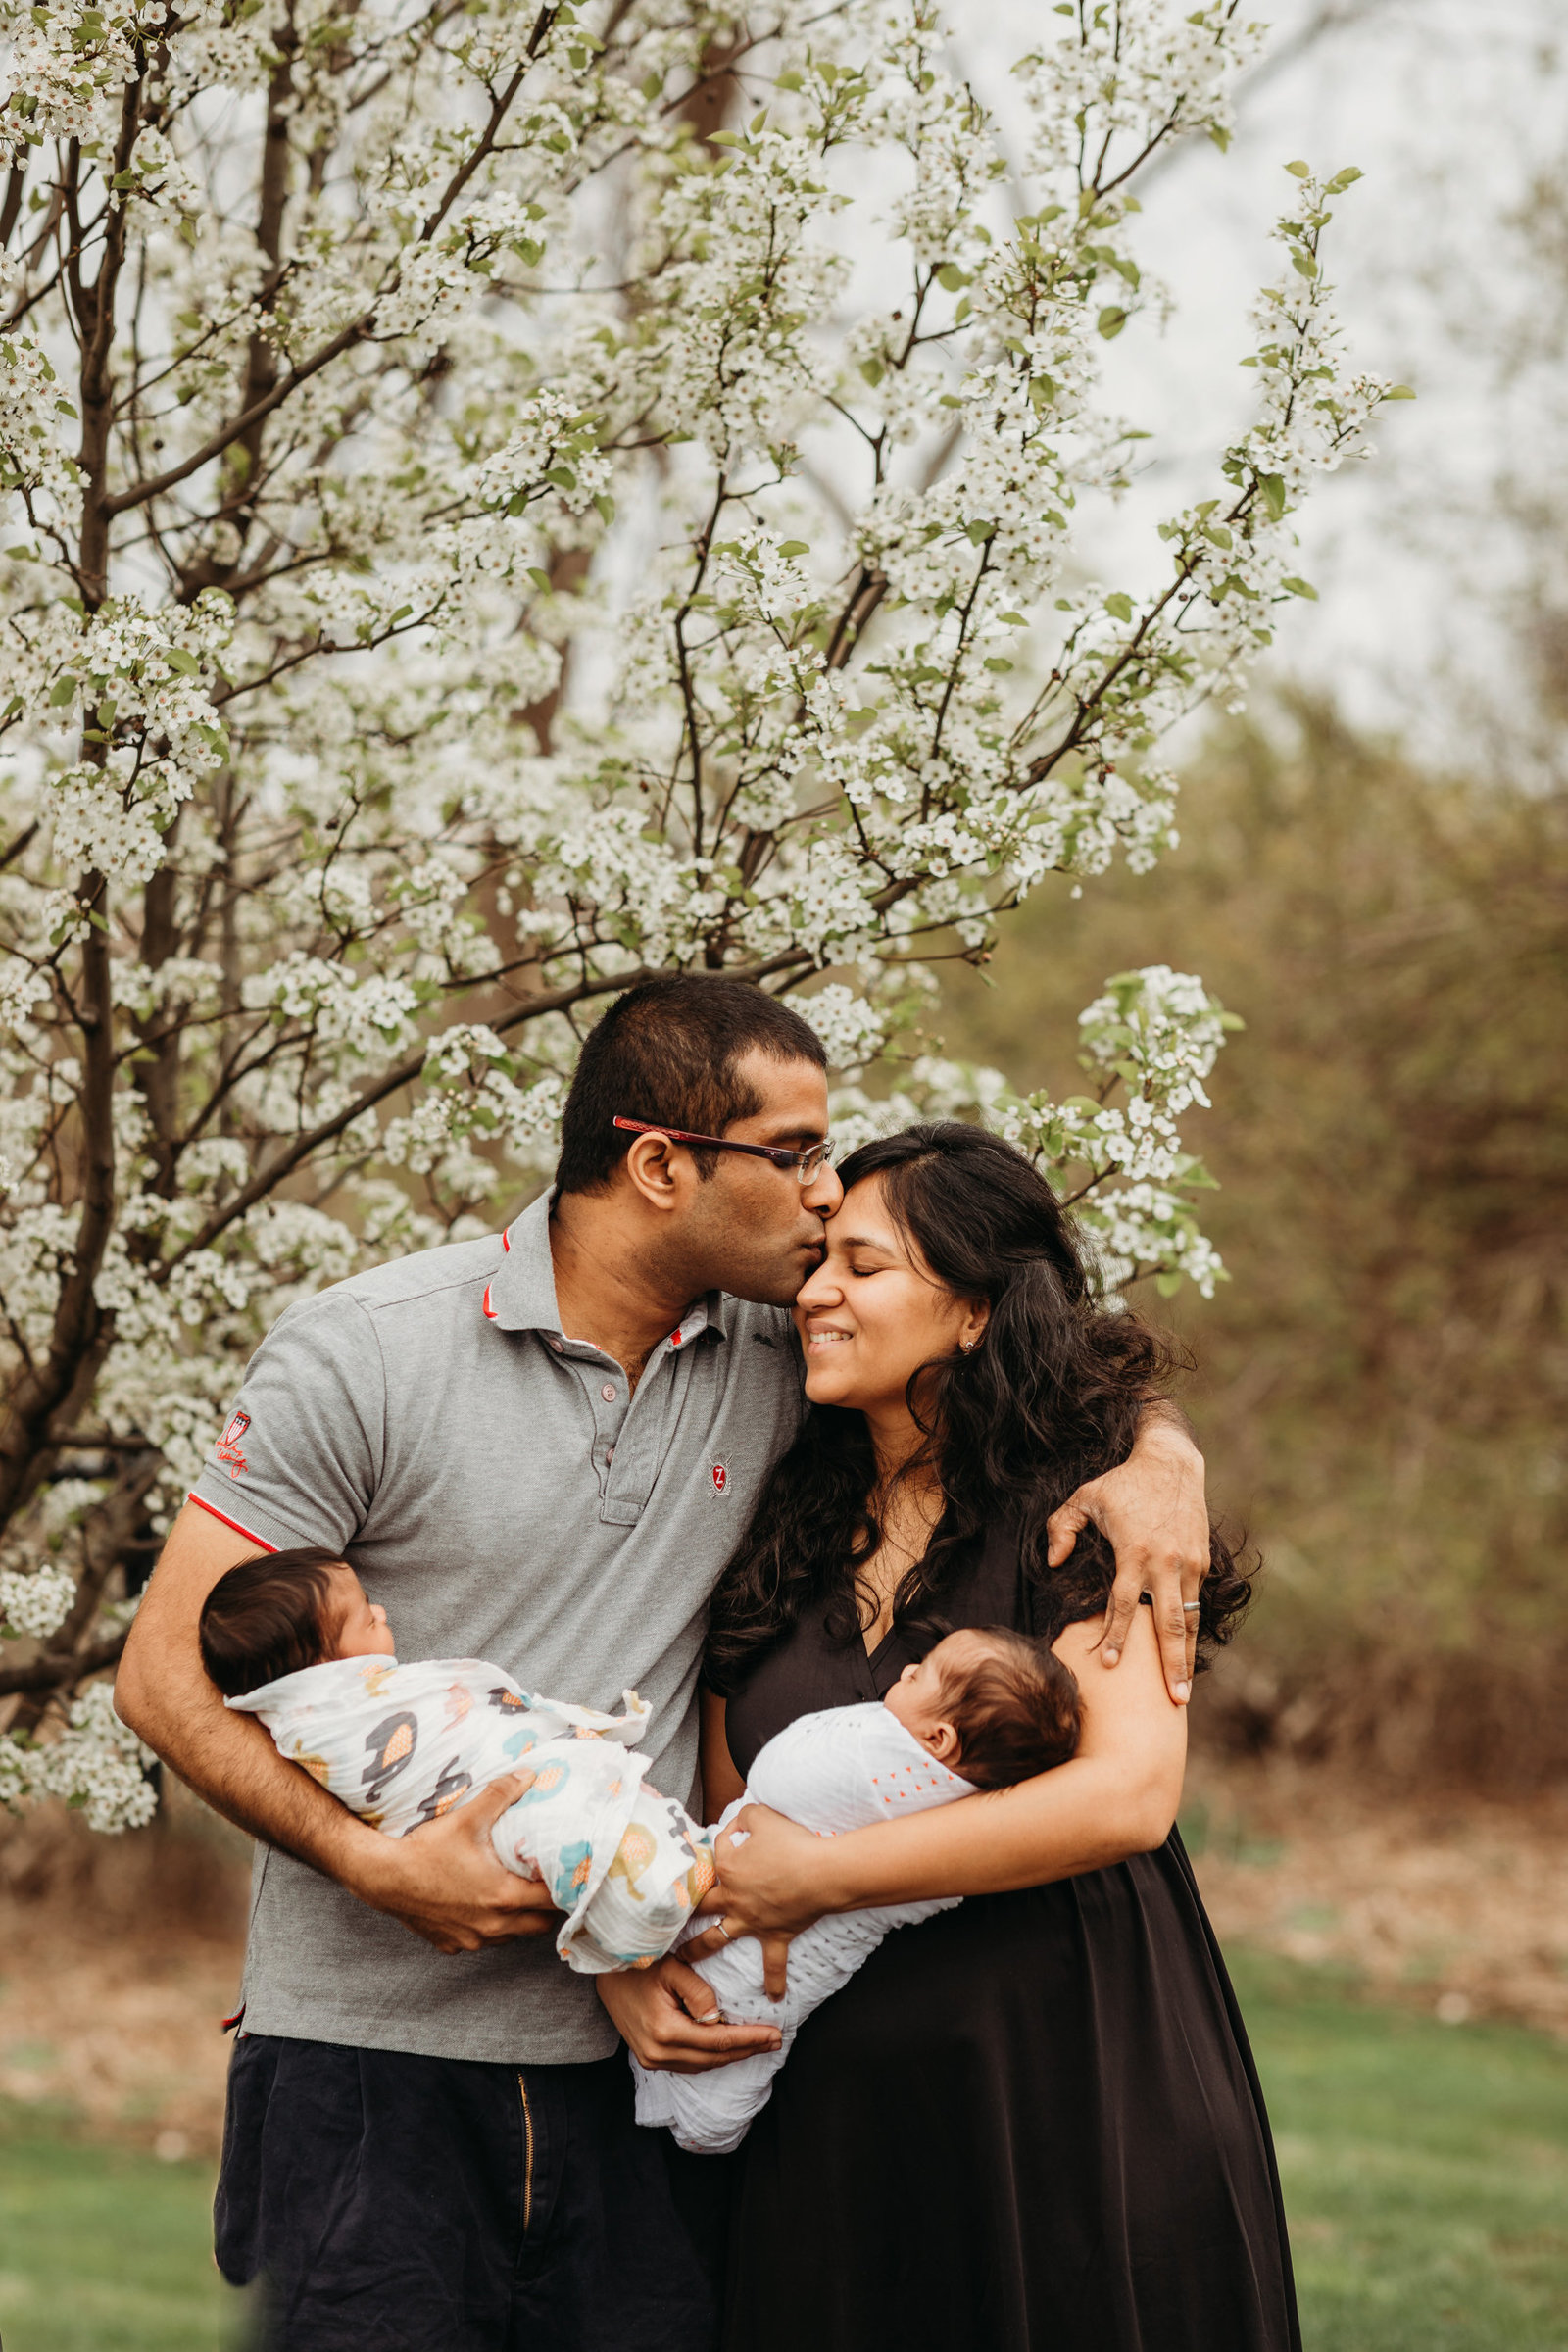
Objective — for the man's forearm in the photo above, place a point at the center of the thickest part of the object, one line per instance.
(233, 1766)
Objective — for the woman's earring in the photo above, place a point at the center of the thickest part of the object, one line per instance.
(969, 1347)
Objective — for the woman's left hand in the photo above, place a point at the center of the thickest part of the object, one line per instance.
(769, 1885)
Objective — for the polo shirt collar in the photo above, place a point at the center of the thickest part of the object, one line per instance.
(520, 1294)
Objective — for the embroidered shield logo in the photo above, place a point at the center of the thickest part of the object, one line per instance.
(228, 1448)
(720, 1475)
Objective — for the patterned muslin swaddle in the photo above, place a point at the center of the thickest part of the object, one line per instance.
(842, 1769)
(401, 1745)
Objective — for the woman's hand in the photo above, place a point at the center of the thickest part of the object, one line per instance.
(771, 1883)
(668, 2018)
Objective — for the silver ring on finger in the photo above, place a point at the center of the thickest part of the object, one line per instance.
(724, 1931)
(1190, 1608)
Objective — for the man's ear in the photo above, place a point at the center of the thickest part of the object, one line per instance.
(655, 1173)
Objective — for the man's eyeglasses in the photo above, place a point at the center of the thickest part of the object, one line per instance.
(805, 1164)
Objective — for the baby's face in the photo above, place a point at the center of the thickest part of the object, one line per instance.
(918, 1699)
(363, 1631)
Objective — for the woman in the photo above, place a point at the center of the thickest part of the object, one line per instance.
(1032, 2123)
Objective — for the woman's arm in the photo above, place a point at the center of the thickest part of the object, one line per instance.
(721, 1782)
(1118, 1796)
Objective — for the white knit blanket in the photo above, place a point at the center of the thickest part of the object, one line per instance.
(844, 1769)
(400, 1746)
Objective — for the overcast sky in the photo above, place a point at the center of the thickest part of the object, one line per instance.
(1450, 108)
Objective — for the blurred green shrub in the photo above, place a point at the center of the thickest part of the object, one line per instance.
(1383, 1386)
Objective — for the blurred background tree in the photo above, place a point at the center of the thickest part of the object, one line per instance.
(1384, 1384)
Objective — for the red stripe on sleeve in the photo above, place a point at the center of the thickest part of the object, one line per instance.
(249, 1533)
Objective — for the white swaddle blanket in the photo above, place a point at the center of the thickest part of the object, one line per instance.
(842, 1769)
(401, 1745)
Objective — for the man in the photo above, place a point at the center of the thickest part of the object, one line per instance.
(540, 1450)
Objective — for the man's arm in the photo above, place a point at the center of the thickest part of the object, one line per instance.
(443, 1881)
(1154, 1513)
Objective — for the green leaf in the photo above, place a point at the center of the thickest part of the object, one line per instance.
(953, 278)
(64, 691)
(1299, 170)
(1394, 392)
(185, 665)
(1300, 588)
(1119, 607)
(998, 661)
(795, 546)
(872, 371)
(1272, 486)
(1167, 1284)
(1342, 180)
(1113, 318)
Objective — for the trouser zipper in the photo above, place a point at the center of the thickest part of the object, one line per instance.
(527, 2152)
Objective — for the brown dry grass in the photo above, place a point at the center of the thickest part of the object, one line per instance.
(1456, 1903)
(121, 1957)
(118, 1959)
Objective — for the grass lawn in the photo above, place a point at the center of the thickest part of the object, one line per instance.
(1425, 2167)
(1425, 2170)
(105, 2249)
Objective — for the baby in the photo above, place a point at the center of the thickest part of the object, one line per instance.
(985, 1708)
(291, 1638)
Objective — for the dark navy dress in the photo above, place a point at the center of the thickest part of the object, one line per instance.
(1029, 2124)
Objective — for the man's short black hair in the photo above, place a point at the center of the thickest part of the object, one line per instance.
(668, 1051)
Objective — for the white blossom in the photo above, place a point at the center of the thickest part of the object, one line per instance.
(525, 546)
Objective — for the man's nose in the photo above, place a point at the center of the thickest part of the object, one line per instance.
(824, 1194)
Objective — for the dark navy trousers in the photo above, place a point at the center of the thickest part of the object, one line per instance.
(392, 2203)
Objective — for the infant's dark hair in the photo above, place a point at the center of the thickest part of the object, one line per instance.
(266, 1618)
(1015, 1712)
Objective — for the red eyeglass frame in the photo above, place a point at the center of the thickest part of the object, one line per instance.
(805, 1164)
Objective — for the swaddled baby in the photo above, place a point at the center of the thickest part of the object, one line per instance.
(986, 1708)
(292, 1639)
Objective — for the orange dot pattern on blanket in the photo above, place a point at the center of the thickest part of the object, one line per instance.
(633, 1854)
(700, 1878)
(398, 1746)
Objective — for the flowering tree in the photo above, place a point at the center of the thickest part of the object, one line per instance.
(502, 505)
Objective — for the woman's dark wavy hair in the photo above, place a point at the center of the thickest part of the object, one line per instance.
(1051, 1396)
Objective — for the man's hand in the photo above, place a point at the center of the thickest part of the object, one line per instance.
(445, 1882)
(1153, 1511)
(668, 2018)
(770, 1883)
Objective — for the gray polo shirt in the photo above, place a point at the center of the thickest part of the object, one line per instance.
(496, 1488)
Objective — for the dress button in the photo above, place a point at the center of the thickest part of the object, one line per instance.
(610, 1454)
(607, 1393)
